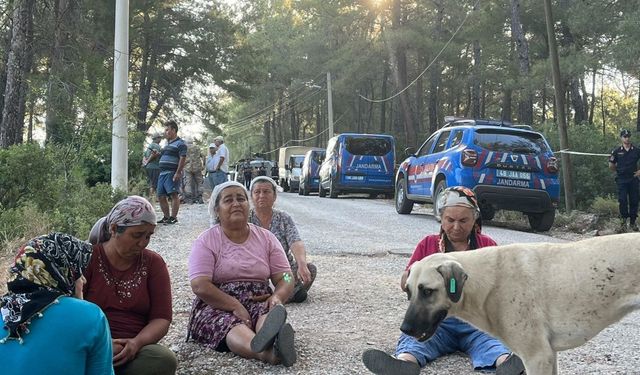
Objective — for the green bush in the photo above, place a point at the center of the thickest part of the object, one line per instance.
(592, 177)
(605, 207)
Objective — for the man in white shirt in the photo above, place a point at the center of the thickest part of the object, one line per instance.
(220, 162)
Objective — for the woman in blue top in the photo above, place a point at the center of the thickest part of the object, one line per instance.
(45, 330)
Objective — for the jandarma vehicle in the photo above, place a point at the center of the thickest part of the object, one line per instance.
(309, 179)
(509, 167)
(358, 163)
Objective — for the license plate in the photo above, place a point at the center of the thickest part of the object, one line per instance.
(355, 178)
(517, 175)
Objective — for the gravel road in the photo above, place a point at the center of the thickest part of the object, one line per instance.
(360, 247)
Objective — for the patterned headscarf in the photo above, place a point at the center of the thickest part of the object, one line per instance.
(215, 199)
(45, 268)
(129, 212)
(460, 196)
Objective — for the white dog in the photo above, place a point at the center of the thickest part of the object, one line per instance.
(536, 298)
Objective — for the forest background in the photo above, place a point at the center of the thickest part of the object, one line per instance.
(256, 72)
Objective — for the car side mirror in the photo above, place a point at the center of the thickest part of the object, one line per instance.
(409, 151)
(286, 166)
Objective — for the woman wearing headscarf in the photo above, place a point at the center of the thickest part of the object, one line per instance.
(230, 267)
(460, 230)
(45, 330)
(263, 195)
(131, 284)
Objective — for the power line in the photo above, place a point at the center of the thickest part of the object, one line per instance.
(428, 66)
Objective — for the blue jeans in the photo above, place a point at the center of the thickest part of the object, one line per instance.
(451, 336)
(217, 177)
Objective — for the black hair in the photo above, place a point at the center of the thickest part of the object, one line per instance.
(173, 124)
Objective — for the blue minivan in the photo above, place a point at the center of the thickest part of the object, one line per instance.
(358, 163)
(310, 176)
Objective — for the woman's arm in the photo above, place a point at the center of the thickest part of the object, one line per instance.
(300, 255)
(284, 283)
(153, 332)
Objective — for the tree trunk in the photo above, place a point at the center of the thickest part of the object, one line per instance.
(18, 65)
(6, 41)
(506, 105)
(383, 105)
(592, 107)
(434, 74)
(60, 116)
(400, 57)
(525, 104)
(148, 69)
(638, 109)
(475, 80)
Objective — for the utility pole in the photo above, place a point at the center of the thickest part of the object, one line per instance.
(119, 134)
(329, 105)
(562, 119)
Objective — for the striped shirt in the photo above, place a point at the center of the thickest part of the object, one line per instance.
(171, 155)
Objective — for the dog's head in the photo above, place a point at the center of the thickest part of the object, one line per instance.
(434, 284)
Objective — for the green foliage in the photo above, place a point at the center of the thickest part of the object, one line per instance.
(605, 207)
(592, 177)
(44, 185)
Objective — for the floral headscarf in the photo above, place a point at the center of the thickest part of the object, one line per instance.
(131, 211)
(460, 196)
(45, 268)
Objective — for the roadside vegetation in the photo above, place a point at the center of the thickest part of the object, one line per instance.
(256, 72)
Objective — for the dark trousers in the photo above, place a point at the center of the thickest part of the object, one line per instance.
(628, 198)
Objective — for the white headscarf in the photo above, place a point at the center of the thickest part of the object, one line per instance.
(215, 196)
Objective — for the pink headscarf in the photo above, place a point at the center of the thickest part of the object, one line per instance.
(131, 211)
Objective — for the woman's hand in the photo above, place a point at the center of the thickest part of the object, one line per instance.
(124, 350)
(241, 313)
(303, 273)
(274, 300)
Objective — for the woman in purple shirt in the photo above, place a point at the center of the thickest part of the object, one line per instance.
(230, 266)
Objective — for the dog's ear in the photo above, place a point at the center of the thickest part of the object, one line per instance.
(454, 278)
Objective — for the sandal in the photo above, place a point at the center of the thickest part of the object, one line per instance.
(511, 366)
(284, 347)
(266, 336)
(382, 363)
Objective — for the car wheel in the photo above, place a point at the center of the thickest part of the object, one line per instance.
(542, 222)
(487, 212)
(333, 193)
(403, 204)
(306, 188)
(437, 195)
(373, 195)
(321, 192)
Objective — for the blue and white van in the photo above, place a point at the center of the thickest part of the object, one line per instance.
(310, 178)
(358, 163)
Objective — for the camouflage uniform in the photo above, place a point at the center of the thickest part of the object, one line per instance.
(193, 179)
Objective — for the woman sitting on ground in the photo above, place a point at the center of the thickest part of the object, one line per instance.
(45, 331)
(459, 231)
(230, 266)
(131, 285)
(263, 194)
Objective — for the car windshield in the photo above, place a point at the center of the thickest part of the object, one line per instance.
(368, 146)
(296, 161)
(318, 157)
(506, 141)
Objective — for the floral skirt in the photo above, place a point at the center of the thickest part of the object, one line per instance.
(210, 326)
